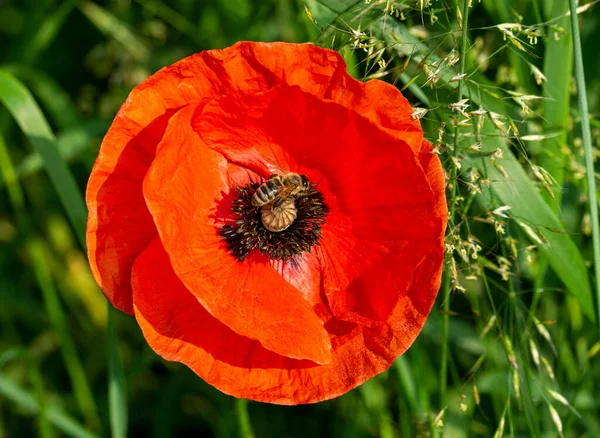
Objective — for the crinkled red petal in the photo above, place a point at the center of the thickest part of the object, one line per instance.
(119, 225)
(178, 328)
(383, 219)
(185, 188)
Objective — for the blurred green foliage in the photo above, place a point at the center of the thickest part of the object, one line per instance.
(80, 59)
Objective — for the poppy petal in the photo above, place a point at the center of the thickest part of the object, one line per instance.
(119, 225)
(432, 167)
(323, 73)
(178, 328)
(381, 103)
(380, 198)
(183, 188)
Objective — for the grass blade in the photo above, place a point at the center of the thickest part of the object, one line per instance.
(35, 43)
(174, 18)
(71, 144)
(58, 418)
(116, 383)
(114, 28)
(537, 220)
(75, 369)
(46, 429)
(558, 67)
(32, 122)
(81, 388)
(407, 384)
(49, 93)
(587, 146)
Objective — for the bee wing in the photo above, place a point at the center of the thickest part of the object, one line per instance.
(284, 194)
(286, 190)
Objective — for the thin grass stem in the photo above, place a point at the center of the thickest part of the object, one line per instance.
(587, 146)
(116, 383)
(446, 278)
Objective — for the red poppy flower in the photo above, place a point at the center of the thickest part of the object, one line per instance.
(293, 316)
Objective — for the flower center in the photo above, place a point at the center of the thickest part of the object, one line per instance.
(282, 228)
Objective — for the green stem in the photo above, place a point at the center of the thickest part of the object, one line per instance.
(241, 410)
(116, 383)
(463, 50)
(445, 322)
(587, 145)
(446, 278)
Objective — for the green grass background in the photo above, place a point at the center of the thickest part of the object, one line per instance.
(514, 353)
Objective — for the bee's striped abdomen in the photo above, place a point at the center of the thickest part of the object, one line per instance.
(267, 192)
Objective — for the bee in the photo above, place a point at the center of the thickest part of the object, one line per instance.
(280, 187)
(277, 197)
(277, 218)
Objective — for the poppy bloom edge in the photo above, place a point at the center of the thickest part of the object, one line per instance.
(130, 221)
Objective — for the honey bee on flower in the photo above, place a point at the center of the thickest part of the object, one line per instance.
(276, 199)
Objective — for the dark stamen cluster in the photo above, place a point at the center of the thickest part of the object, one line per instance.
(249, 232)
